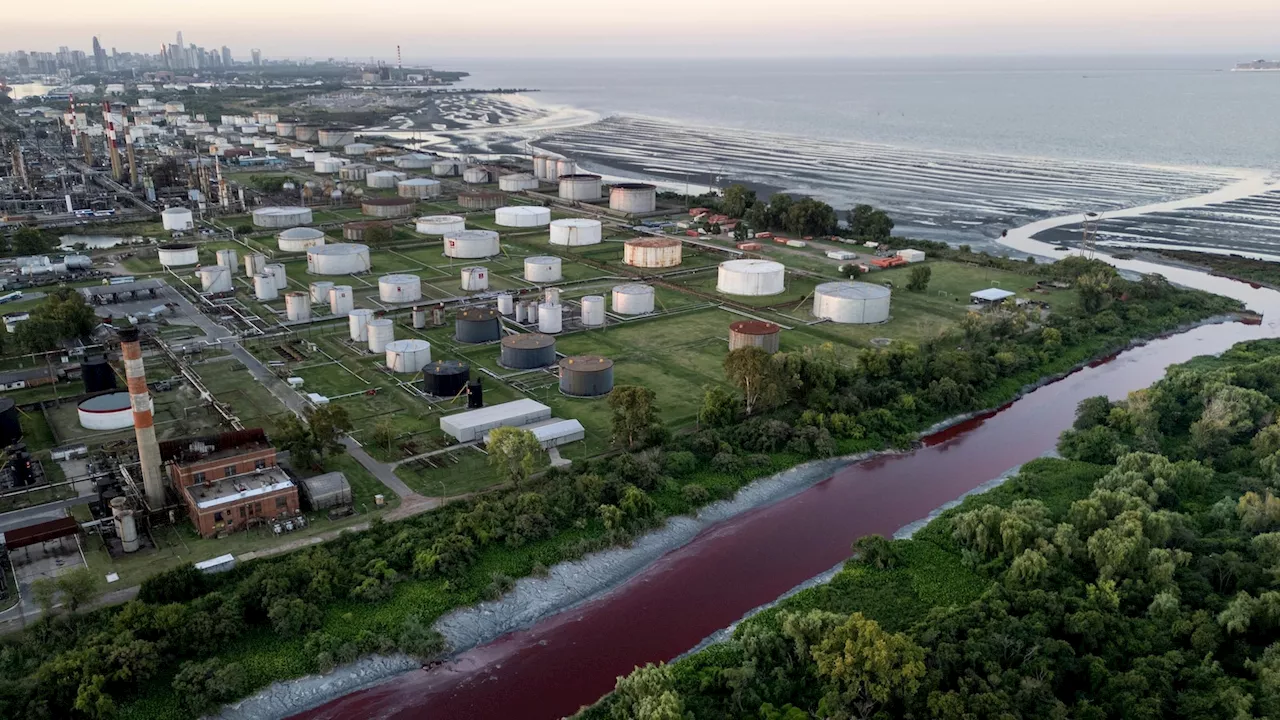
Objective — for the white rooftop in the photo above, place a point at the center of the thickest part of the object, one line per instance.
(555, 431)
(991, 295)
(472, 424)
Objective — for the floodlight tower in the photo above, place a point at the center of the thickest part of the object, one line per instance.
(1089, 233)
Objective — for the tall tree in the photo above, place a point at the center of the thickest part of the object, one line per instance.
(634, 414)
(30, 241)
(754, 372)
(919, 280)
(515, 453)
(868, 223)
(737, 200)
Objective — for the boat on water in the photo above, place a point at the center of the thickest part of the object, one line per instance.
(1258, 66)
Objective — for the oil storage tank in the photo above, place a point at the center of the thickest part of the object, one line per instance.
(228, 259)
(285, 128)
(356, 148)
(178, 255)
(586, 376)
(580, 186)
(358, 324)
(281, 217)
(355, 231)
(440, 224)
(254, 263)
(299, 239)
(215, 279)
(97, 375)
(481, 200)
(476, 325)
(550, 317)
(652, 252)
(278, 274)
(297, 306)
(565, 166)
(387, 207)
(414, 161)
(593, 310)
(475, 279)
(335, 137)
(399, 288)
(383, 179)
(633, 198)
(341, 300)
(445, 168)
(851, 302)
(110, 411)
(445, 378)
(575, 232)
(633, 299)
(320, 290)
(527, 351)
(418, 188)
(517, 182)
(176, 219)
(264, 287)
(338, 259)
(543, 269)
(475, 176)
(751, 277)
(328, 166)
(353, 172)
(469, 244)
(11, 422)
(754, 333)
(306, 133)
(381, 333)
(522, 216)
(408, 356)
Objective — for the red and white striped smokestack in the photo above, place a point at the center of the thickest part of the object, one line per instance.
(117, 172)
(143, 422)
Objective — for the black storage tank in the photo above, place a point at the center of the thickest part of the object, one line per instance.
(445, 378)
(475, 394)
(586, 376)
(23, 469)
(10, 424)
(477, 325)
(527, 351)
(97, 374)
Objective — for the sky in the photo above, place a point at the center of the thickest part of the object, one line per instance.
(673, 28)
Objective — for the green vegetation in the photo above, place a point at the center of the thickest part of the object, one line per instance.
(62, 316)
(1135, 578)
(1263, 272)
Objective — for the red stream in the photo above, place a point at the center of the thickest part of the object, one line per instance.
(571, 659)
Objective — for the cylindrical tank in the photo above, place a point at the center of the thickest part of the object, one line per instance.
(328, 166)
(112, 411)
(419, 318)
(551, 295)
(517, 182)
(633, 299)
(320, 291)
(414, 161)
(277, 272)
(95, 372)
(384, 179)
(11, 422)
(126, 526)
(851, 302)
(335, 137)
(540, 166)
(445, 168)
(522, 216)
(754, 333)
(542, 269)
(593, 310)
(475, 176)
(440, 224)
(418, 188)
(550, 318)
(445, 378)
(353, 172)
(285, 129)
(297, 306)
(586, 376)
(387, 207)
(176, 219)
(340, 300)
(215, 279)
(298, 153)
(299, 239)
(281, 217)
(399, 288)
(355, 231)
(358, 324)
(264, 286)
(477, 325)
(381, 332)
(408, 356)
(254, 263)
(481, 200)
(306, 133)
(574, 232)
(227, 258)
(527, 351)
(475, 279)
(652, 252)
(249, 129)
(564, 166)
(633, 197)
(751, 277)
(357, 148)
(580, 186)
(506, 304)
(178, 255)
(338, 259)
(468, 244)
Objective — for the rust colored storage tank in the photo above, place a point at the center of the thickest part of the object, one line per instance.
(754, 333)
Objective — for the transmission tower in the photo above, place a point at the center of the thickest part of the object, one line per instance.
(1089, 235)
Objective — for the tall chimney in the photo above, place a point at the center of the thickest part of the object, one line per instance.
(143, 422)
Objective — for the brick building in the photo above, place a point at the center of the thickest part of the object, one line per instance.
(229, 482)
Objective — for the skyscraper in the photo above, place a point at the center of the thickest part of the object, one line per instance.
(226, 56)
(99, 56)
(257, 56)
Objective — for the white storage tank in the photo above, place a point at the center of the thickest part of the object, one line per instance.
(381, 333)
(440, 224)
(522, 216)
(593, 310)
(313, 155)
(445, 168)
(751, 277)
(418, 188)
(299, 239)
(254, 263)
(550, 318)
(542, 268)
(341, 301)
(384, 179)
(227, 259)
(320, 291)
(475, 176)
(328, 166)
(176, 219)
(475, 279)
(297, 306)
(551, 295)
(357, 148)
(338, 259)
(517, 182)
(633, 299)
(580, 186)
(298, 153)
(419, 316)
(358, 324)
(178, 255)
(110, 411)
(575, 232)
(277, 272)
(633, 197)
(399, 288)
(506, 304)
(468, 244)
(414, 161)
(285, 129)
(408, 356)
(353, 172)
(652, 252)
(215, 279)
(264, 286)
(335, 137)
(851, 302)
(564, 167)
(281, 217)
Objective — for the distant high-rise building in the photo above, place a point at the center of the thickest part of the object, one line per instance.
(226, 56)
(257, 57)
(99, 56)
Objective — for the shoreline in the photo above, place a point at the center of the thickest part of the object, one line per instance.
(576, 583)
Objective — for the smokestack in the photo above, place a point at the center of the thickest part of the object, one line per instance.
(143, 422)
(117, 171)
(133, 161)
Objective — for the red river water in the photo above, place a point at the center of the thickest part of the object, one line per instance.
(571, 659)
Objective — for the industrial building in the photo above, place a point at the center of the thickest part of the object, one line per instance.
(851, 302)
(473, 424)
(122, 292)
(553, 432)
(327, 491)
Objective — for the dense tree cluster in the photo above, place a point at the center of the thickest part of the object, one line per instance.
(62, 317)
